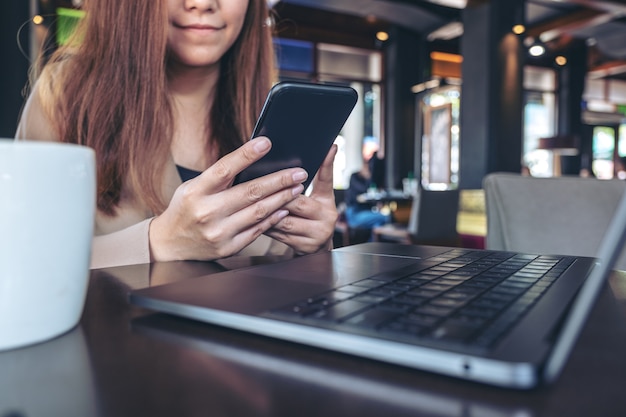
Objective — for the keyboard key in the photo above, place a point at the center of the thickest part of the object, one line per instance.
(436, 287)
(367, 283)
(395, 306)
(371, 318)
(403, 329)
(422, 320)
(420, 292)
(481, 312)
(490, 303)
(447, 302)
(409, 299)
(413, 282)
(435, 310)
(385, 291)
(369, 298)
(469, 321)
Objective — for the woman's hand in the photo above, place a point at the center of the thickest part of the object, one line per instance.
(207, 219)
(310, 224)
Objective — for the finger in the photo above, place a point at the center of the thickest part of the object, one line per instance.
(299, 234)
(323, 181)
(288, 183)
(247, 236)
(306, 207)
(223, 172)
(258, 211)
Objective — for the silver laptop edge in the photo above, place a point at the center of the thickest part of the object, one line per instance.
(516, 375)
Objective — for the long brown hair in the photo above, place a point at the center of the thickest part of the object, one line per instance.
(107, 89)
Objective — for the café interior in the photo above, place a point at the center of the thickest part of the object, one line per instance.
(470, 104)
(449, 92)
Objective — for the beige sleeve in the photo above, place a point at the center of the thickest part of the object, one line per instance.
(124, 247)
(34, 124)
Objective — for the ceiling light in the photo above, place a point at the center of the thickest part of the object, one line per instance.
(382, 36)
(537, 50)
(37, 19)
(519, 29)
(560, 60)
(457, 4)
(427, 85)
(446, 32)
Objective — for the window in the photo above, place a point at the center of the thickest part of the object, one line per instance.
(603, 150)
(440, 140)
(539, 118)
(294, 56)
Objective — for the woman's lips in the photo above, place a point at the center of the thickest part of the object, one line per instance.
(197, 26)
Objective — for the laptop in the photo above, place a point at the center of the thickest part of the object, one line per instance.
(501, 318)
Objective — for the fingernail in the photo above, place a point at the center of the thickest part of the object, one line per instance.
(261, 144)
(299, 176)
(297, 189)
(282, 213)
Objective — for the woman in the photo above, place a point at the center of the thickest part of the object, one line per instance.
(154, 86)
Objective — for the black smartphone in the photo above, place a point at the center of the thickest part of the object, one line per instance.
(302, 120)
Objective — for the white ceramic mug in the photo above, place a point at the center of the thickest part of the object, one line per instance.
(47, 210)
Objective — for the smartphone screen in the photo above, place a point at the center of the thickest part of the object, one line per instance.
(302, 120)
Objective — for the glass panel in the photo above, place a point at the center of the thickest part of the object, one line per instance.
(621, 148)
(540, 79)
(440, 139)
(594, 90)
(359, 64)
(603, 148)
(621, 153)
(362, 125)
(539, 122)
(616, 91)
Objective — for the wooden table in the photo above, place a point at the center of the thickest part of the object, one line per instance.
(125, 361)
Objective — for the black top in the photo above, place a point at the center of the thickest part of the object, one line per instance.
(186, 174)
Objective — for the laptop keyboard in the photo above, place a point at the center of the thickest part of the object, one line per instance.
(460, 297)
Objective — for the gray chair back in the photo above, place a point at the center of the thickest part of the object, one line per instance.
(560, 215)
(433, 217)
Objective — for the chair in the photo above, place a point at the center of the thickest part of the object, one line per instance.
(559, 215)
(432, 221)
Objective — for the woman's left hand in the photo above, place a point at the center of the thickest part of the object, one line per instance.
(310, 225)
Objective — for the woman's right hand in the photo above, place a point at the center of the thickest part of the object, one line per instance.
(207, 219)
